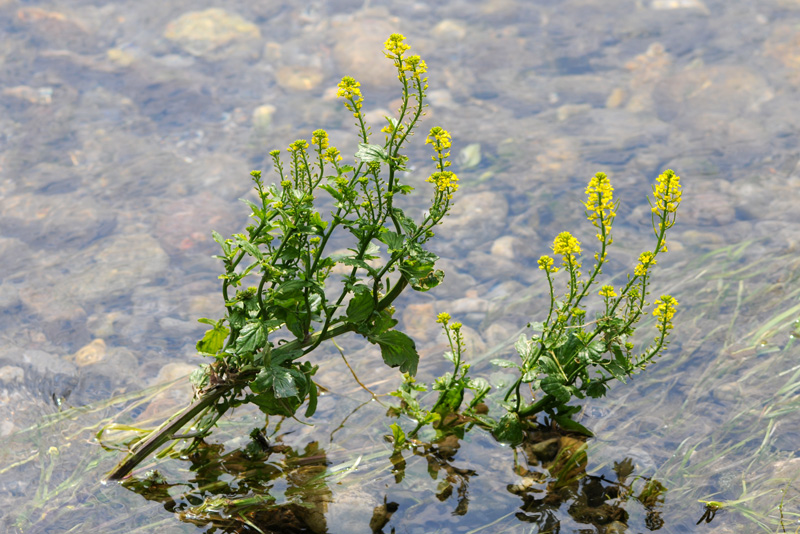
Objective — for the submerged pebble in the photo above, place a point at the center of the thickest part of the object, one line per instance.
(215, 34)
(90, 354)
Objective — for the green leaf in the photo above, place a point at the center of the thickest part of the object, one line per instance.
(383, 322)
(199, 377)
(450, 400)
(509, 430)
(280, 381)
(408, 224)
(522, 346)
(530, 375)
(332, 191)
(361, 306)
(397, 349)
(505, 363)
(596, 389)
(419, 270)
(226, 248)
(252, 336)
(553, 386)
(285, 382)
(431, 280)
(214, 339)
(398, 434)
(312, 398)
(368, 153)
(354, 262)
(568, 424)
(393, 240)
(248, 247)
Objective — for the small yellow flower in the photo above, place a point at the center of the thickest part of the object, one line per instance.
(320, 138)
(332, 155)
(443, 318)
(455, 326)
(608, 292)
(395, 46)
(546, 264)
(566, 245)
(600, 202)
(665, 310)
(445, 181)
(277, 204)
(416, 66)
(348, 89)
(646, 260)
(439, 138)
(667, 192)
(298, 146)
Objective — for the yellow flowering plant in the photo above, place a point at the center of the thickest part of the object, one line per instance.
(570, 357)
(277, 281)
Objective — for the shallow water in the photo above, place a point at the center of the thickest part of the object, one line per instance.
(128, 135)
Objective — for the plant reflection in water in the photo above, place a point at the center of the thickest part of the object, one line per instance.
(270, 487)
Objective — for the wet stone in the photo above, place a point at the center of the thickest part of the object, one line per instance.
(490, 267)
(11, 374)
(297, 78)
(185, 224)
(450, 29)
(57, 29)
(90, 354)
(215, 34)
(15, 255)
(101, 379)
(504, 246)
(115, 267)
(359, 41)
(42, 219)
(419, 321)
(475, 220)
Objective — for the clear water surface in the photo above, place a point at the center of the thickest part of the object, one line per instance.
(127, 131)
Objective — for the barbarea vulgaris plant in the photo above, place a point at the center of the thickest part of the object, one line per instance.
(571, 357)
(278, 280)
(568, 357)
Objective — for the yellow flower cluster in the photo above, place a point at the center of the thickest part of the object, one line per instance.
(440, 139)
(298, 146)
(443, 318)
(445, 181)
(565, 244)
(667, 192)
(332, 155)
(395, 46)
(665, 310)
(608, 292)
(348, 89)
(600, 203)
(646, 260)
(546, 264)
(416, 66)
(320, 138)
